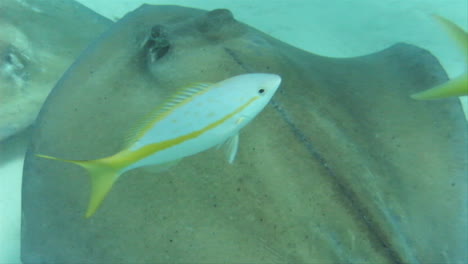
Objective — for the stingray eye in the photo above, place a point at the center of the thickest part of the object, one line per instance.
(261, 91)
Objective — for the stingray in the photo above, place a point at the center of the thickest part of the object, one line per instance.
(38, 41)
(341, 167)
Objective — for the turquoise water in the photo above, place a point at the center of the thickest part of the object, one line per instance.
(345, 29)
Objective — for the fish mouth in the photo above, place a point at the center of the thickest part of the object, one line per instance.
(274, 82)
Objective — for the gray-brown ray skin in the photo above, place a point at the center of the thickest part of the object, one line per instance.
(341, 167)
(38, 42)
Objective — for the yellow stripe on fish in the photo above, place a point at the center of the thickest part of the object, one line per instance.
(193, 120)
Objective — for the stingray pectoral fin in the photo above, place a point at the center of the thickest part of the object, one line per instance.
(103, 175)
(455, 87)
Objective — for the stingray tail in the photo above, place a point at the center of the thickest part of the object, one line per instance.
(103, 174)
(455, 87)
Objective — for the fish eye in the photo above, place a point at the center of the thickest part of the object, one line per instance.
(261, 91)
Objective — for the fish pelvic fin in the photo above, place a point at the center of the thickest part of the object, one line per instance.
(103, 174)
(455, 87)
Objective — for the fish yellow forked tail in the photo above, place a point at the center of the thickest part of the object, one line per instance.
(103, 175)
(457, 86)
(459, 36)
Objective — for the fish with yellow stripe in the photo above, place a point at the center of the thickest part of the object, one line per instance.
(192, 120)
(459, 85)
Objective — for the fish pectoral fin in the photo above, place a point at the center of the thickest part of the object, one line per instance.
(455, 87)
(160, 167)
(230, 146)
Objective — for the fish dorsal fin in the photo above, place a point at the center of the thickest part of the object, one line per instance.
(179, 98)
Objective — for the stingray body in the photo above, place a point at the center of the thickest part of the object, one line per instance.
(341, 167)
(38, 41)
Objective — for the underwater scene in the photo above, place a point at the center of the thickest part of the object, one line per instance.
(250, 131)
